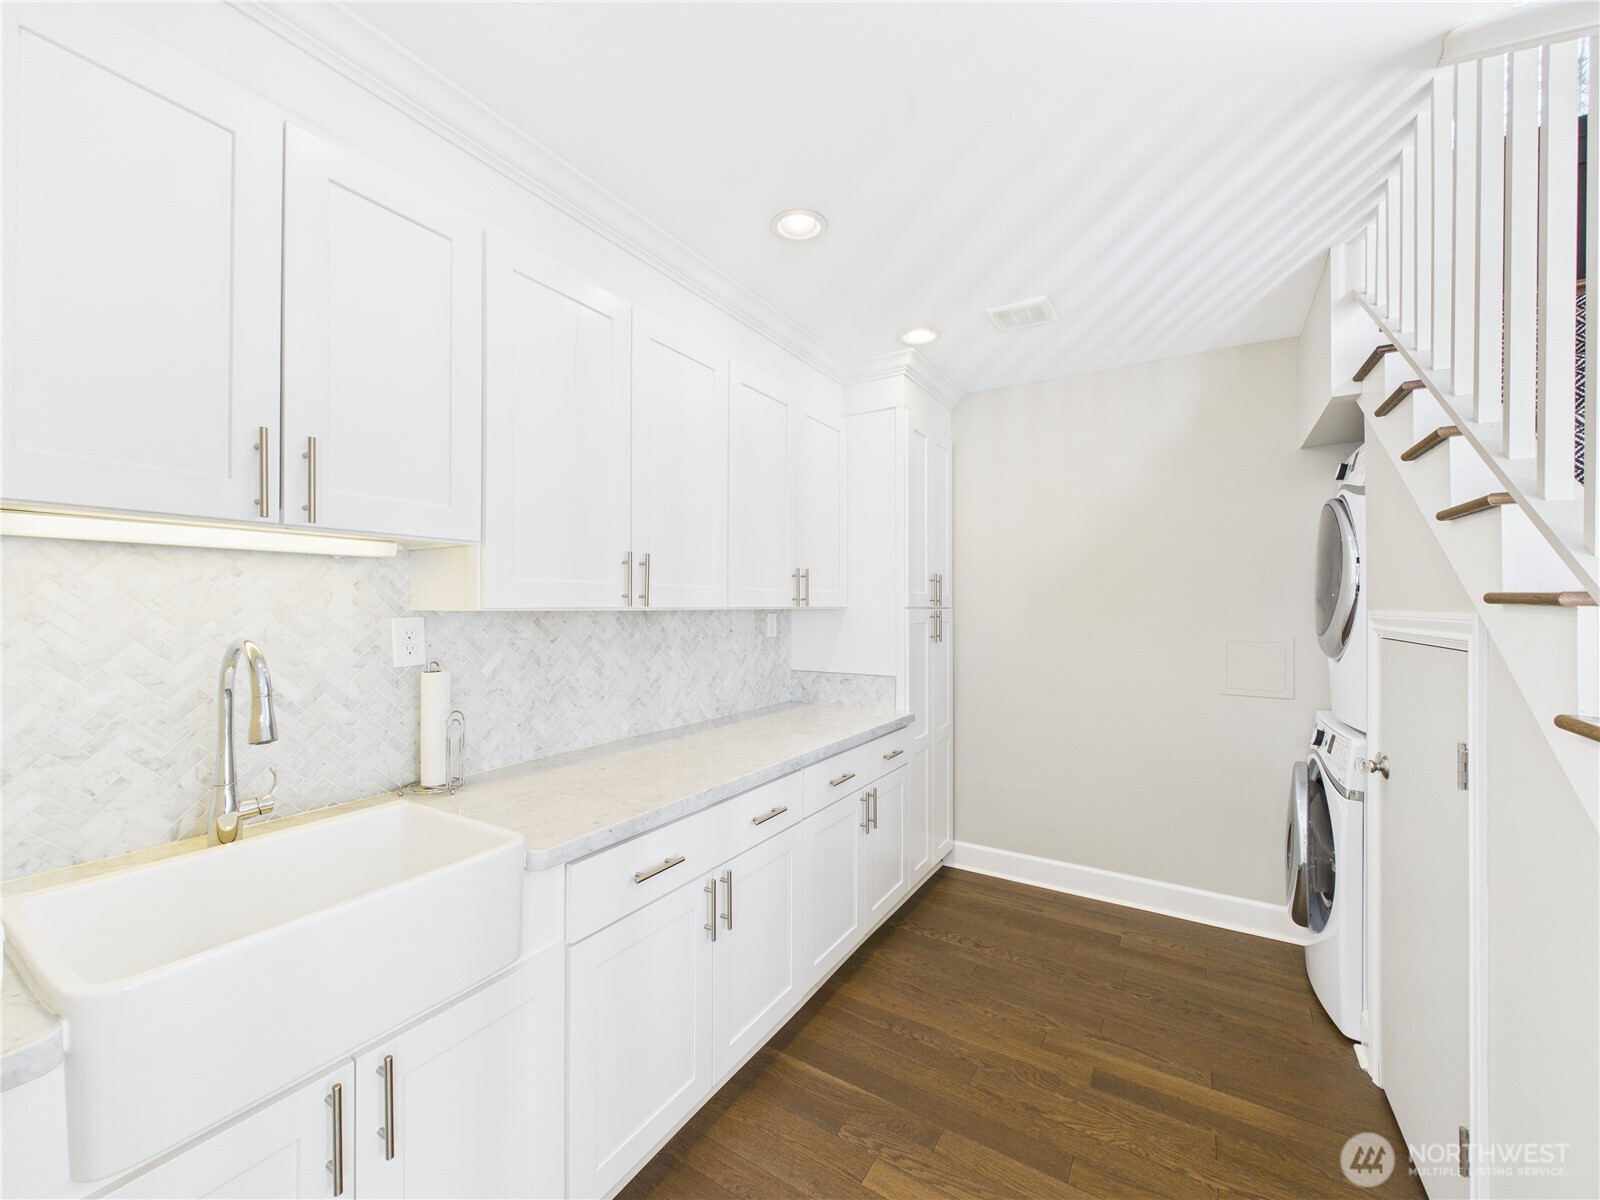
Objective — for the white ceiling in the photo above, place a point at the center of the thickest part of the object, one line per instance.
(1168, 174)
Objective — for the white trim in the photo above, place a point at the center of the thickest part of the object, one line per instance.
(1132, 891)
(1523, 27)
(911, 364)
(338, 37)
(1451, 631)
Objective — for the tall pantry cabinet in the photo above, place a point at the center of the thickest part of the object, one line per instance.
(901, 620)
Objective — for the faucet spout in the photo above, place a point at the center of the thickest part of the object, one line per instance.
(227, 815)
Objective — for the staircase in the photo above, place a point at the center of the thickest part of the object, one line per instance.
(1473, 277)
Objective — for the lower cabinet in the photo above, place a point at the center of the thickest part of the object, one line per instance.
(756, 965)
(833, 921)
(883, 860)
(290, 1148)
(639, 1034)
(447, 1107)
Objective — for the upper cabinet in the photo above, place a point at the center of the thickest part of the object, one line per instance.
(142, 274)
(557, 438)
(763, 426)
(928, 515)
(820, 509)
(382, 356)
(680, 468)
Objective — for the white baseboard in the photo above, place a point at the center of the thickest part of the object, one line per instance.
(1170, 899)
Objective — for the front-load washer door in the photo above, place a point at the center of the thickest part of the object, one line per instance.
(1295, 886)
(1338, 577)
(1320, 850)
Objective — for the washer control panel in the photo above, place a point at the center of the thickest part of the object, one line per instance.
(1342, 751)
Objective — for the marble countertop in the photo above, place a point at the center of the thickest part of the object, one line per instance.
(566, 807)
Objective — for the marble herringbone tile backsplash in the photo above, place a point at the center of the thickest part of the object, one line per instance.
(109, 657)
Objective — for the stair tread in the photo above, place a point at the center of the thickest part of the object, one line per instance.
(1468, 507)
(1373, 360)
(1544, 599)
(1437, 437)
(1583, 726)
(1399, 394)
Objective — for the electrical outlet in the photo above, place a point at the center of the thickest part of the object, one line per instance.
(410, 641)
(772, 624)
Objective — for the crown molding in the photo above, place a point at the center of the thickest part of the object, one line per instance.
(337, 37)
(910, 364)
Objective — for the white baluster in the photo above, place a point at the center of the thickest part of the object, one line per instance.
(1489, 309)
(1522, 253)
(1443, 218)
(1406, 294)
(1463, 260)
(1558, 269)
(1422, 163)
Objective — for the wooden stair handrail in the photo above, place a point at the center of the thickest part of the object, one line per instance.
(1431, 441)
(1542, 599)
(1399, 394)
(1468, 507)
(1588, 727)
(1373, 360)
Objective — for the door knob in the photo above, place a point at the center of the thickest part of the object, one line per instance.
(1378, 766)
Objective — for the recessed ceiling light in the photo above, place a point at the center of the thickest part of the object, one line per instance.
(919, 335)
(798, 224)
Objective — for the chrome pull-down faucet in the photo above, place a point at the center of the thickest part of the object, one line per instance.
(227, 814)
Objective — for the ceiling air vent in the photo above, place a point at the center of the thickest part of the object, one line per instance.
(1024, 314)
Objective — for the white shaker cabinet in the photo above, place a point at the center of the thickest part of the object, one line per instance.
(833, 921)
(557, 437)
(763, 424)
(680, 468)
(143, 199)
(383, 350)
(821, 514)
(757, 976)
(448, 1107)
(884, 878)
(298, 1146)
(941, 799)
(928, 517)
(639, 1034)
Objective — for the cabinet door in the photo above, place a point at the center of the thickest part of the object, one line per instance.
(939, 518)
(557, 436)
(883, 879)
(941, 799)
(383, 350)
(143, 200)
(919, 527)
(461, 1113)
(639, 1035)
(762, 455)
(832, 924)
(921, 671)
(757, 963)
(285, 1149)
(821, 502)
(680, 467)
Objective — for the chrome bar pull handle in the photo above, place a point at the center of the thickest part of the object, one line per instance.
(310, 506)
(794, 590)
(387, 1132)
(263, 448)
(805, 582)
(644, 571)
(666, 865)
(627, 579)
(727, 878)
(711, 924)
(872, 807)
(845, 778)
(335, 1101)
(893, 754)
(767, 816)
(866, 814)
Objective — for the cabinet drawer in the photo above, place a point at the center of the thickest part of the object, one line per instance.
(853, 770)
(606, 886)
(752, 817)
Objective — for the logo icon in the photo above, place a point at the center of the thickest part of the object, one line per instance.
(1367, 1159)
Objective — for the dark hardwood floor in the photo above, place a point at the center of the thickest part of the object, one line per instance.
(998, 1040)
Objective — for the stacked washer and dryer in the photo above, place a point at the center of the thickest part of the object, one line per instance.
(1326, 890)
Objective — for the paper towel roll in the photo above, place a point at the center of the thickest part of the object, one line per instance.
(434, 765)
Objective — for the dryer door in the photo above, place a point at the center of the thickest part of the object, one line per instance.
(1295, 886)
(1338, 577)
(1320, 856)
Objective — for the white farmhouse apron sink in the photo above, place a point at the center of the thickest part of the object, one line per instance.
(196, 986)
